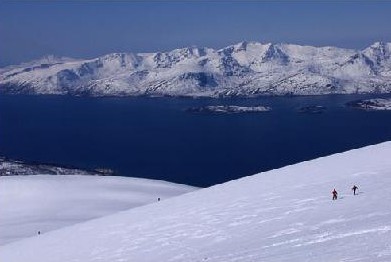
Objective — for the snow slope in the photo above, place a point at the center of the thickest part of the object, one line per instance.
(244, 69)
(47, 202)
(281, 215)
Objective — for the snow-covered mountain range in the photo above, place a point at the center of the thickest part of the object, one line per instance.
(244, 69)
(281, 215)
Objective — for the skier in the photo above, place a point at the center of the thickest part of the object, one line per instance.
(354, 188)
(335, 194)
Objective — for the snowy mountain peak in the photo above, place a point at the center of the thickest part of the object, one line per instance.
(118, 60)
(274, 53)
(379, 45)
(378, 52)
(242, 69)
(242, 46)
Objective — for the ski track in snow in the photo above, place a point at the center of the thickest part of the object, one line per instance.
(280, 215)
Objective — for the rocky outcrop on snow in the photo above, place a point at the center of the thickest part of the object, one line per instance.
(244, 69)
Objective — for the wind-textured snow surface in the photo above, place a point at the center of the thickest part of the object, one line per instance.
(32, 203)
(281, 215)
(244, 69)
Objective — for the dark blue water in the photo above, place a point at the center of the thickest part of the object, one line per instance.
(156, 138)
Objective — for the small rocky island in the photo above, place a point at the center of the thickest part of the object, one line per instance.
(223, 109)
(372, 104)
(312, 109)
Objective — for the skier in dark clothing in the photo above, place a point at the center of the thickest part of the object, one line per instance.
(354, 188)
(335, 194)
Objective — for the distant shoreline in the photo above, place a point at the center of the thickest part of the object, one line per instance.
(14, 167)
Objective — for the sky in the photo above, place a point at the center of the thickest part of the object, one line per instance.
(86, 29)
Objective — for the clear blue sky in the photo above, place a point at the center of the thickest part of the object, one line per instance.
(84, 29)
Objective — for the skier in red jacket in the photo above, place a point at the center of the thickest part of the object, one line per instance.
(335, 194)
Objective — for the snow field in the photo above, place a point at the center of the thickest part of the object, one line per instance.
(47, 202)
